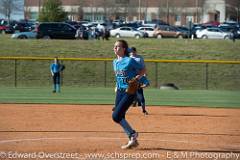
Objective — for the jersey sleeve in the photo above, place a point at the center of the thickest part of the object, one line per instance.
(136, 65)
(142, 62)
(51, 67)
(114, 65)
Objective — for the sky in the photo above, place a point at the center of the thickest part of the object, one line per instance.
(16, 15)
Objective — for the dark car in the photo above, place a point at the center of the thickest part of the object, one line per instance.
(55, 30)
(229, 28)
(23, 27)
(184, 30)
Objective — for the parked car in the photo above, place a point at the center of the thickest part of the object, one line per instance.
(6, 29)
(23, 27)
(126, 32)
(168, 32)
(233, 29)
(2, 28)
(55, 30)
(132, 24)
(184, 30)
(230, 23)
(213, 33)
(148, 30)
(24, 35)
(195, 28)
(211, 24)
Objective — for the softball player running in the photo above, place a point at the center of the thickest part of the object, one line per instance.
(125, 68)
(144, 81)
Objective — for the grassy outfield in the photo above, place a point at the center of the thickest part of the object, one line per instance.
(202, 98)
(91, 74)
(149, 48)
(81, 73)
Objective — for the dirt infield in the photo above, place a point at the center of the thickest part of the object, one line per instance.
(40, 131)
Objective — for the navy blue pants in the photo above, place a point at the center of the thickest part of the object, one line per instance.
(122, 103)
(56, 78)
(140, 99)
(56, 82)
(140, 96)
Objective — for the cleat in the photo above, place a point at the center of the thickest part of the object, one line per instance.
(53, 91)
(132, 143)
(145, 113)
(134, 104)
(113, 108)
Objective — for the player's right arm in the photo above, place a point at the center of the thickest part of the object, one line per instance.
(51, 69)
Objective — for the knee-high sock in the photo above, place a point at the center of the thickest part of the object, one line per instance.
(54, 87)
(58, 87)
(143, 106)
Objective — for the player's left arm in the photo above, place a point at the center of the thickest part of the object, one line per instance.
(141, 73)
(141, 70)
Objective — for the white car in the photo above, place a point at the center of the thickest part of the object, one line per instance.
(126, 32)
(148, 30)
(213, 33)
(25, 35)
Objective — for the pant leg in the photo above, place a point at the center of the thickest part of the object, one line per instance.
(58, 82)
(141, 99)
(54, 82)
(122, 104)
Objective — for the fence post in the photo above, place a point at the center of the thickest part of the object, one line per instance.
(105, 73)
(15, 73)
(206, 76)
(156, 74)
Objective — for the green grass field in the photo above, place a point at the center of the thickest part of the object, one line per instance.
(223, 81)
(186, 76)
(199, 98)
(149, 48)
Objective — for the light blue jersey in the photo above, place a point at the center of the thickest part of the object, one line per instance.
(139, 59)
(125, 69)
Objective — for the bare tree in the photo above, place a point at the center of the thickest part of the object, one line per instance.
(7, 7)
(145, 9)
(132, 10)
(161, 10)
(184, 12)
(106, 5)
(77, 13)
(113, 10)
(27, 11)
(80, 9)
(125, 6)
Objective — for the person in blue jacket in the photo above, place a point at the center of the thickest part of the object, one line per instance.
(55, 69)
(125, 69)
(143, 81)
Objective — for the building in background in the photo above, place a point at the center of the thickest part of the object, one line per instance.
(176, 12)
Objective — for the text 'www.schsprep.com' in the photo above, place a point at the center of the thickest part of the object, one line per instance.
(77, 156)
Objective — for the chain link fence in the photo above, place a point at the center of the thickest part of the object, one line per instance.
(202, 75)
